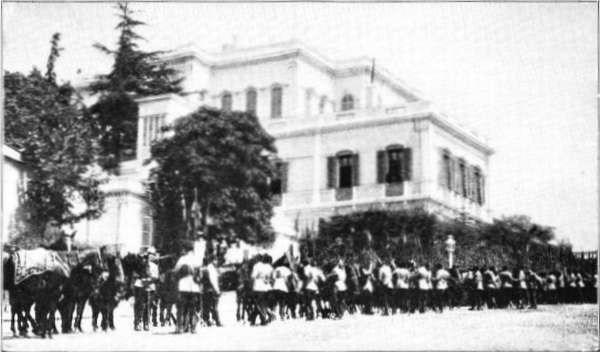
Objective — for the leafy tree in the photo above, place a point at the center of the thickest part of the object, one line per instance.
(57, 143)
(416, 234)
(225, 157)
(134, 73)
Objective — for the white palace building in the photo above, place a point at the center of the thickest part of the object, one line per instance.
(349, 136)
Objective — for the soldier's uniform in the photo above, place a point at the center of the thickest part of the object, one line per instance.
(144, 292)
(210, 293)
(188, 293)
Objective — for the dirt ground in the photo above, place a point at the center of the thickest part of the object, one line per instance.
(563, 327)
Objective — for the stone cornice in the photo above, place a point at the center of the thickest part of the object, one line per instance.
(371, 121)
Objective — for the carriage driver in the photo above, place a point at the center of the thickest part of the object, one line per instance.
(145, 289)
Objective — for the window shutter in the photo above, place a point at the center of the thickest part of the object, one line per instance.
(407, 164)
(284, 176)
(473, 183)
(482, 185)
(331, 172)
(355, 170)
(382, 165)
(442, 171)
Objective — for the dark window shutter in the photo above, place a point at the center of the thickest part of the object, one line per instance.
(482, 188)
(382, 165)
(331, 172)
(472, 184)
(284, 176)
(456, 175)
(452, 184)
(355, 170)
(407, 164)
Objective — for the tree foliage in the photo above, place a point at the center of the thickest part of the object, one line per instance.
(134, 73)
(225, 157)
(57, 143)
(416, 234)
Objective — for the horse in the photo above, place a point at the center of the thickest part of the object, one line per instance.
(20, 302)
(42, 289)
(86, 277)
(106, 297)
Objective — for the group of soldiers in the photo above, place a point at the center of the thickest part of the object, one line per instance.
(330, 289)
(196, 286)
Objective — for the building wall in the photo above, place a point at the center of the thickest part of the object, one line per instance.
(13, 180)
(262, 76)
(120, 224)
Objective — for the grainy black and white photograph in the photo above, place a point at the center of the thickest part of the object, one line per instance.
(299, 176)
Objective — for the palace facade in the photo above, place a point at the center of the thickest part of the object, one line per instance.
(350, 136)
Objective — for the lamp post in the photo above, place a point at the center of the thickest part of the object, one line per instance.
(450, 247)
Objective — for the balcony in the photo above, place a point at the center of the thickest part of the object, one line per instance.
(365, 193)
(342, 194)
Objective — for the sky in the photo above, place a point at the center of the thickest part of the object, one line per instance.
(522, 74)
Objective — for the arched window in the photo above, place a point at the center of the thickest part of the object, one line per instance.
(347, 102)
(322, 103)
(276, 97)
(251, 101)
(226, 102)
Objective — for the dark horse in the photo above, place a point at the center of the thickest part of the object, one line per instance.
(20, 302)
(86, 277)
(105, 298)
(43, 290)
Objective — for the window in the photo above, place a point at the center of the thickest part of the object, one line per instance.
(394, 173)
(394, 164)
(347, 102)
(276, 96)
(226, 102)
(152, 128)
(145, 131)
(279, 183)
(322, 103)
(251, 101)
(446, 171)
(147, 231)
(343, 170)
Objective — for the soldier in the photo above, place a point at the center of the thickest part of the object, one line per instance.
(281, 277)
(424, 286)
(188, 291)
(261, 285)
(441, 287)
(144, 290)
(385, 279)
(506, 288)
(339, 289)
(490, 288)
(520, 288)
(210, 292)
(534, 282)
(311, 288)
(401, 275)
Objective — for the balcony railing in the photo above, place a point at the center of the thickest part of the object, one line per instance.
(343, 193)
